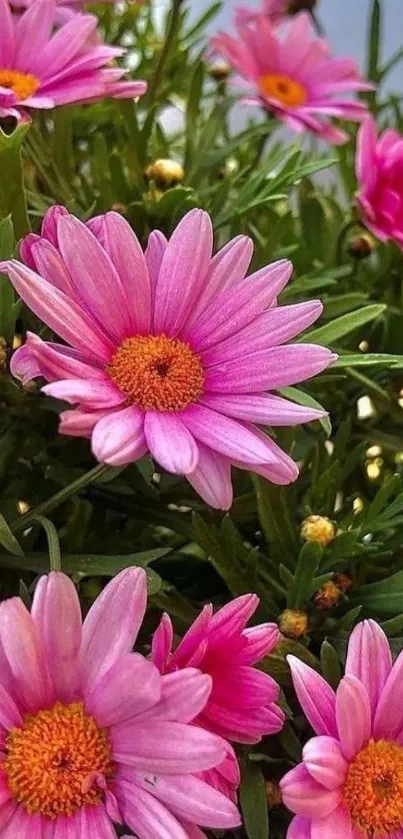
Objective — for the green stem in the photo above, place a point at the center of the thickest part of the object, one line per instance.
(165, 52)
(12, 192)
(46, 506)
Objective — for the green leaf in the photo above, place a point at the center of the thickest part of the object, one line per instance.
(55, 561)
(384, 597)
(8, 308)
(341, 303)
(308, 563)
(8, 540)
(252, 796)
(374, 41)
(302, 398)
(330, 664)
(369, 360)
(342, 326)
(12, 192)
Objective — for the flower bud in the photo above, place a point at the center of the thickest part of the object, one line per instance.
(342, 582)
(318, 529)
(219, 71)
(293, 623)
(273, 794)
(165, 173)
(359, 247)
(327, 596)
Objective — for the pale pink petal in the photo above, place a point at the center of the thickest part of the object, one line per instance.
(260, 641)
(234, 725)
(226, 436)
(146, 816)
(65, 44)
(353, 715)
(190, 798)
(173, 748)
(300, 828)
(324, 760)
(369, 659)
(24, 366)
(154, 253)
(10, 717)
(269, 369)
(227, 268)
(261, 408)
(95, 278)
(161, 644)
(94, 822)
(7, 38)
(184, 696)
(305, 797)
(57, 614)
(183, 271)
(191, 648)
(212, 478)
(334, 826)
(124, 250)
(388, 723)
(53, 214)
(94, 394)
(129, 687)
(58, 312)
(32, 34)
(79, 423)
(118, 438)
(59, 362)
(111, 626)
(170, 442)
(48, 263)
(316, 697)
(21, 825)
(22, 646)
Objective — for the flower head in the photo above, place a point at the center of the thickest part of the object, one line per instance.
(350, 781)
(293, 76)
(171, 352)
(92, 733)
(40, 68)
(379, 166)
(277, 11)
(242, 705)
(318, 529)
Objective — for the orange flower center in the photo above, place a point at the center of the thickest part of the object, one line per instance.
(24, 85)
(373, 791)
(288, 91)
(54, 762)
(157, 373)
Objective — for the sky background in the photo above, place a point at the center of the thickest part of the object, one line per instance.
(345, 24)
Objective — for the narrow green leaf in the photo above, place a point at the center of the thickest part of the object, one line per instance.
(55, 560)
(8, 308)
(383, 598)
(302, 398)
(330, 664)
(308, 563)
(374, 41)
(12, 192)
(343, 325)
(252, 796)
(369, 360)
(8, 540)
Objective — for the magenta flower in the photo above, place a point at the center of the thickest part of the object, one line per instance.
(242, 704)
(379, 166)
(42, 69)
(293, 76)
(171, 352)
(350, 782)
(92, 734)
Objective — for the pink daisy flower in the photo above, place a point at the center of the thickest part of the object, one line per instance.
(350, 782)
(277, 11)
(91, 733)
(43, 69)
(293, 75)
(242, 704)
(170, 352)
(66, 9)
(379, 166)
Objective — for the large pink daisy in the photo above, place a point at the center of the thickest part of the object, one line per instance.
(293, 75)
(91, 733)
(350, 782)
(43, 69)
(170, 352)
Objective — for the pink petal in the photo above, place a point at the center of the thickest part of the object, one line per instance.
(369, 659)
(49, 224)
(10, 717)
(59, 313)
(353, 715)
(170, 442)
(192, 647)
(79, 423)
(59, 362)
(7, 813)
(244, 687)
(65, 45)
(111, 626)
(46, 260)
(234, 309)
(95, 278)
(299, 828)
(156, 247)
(260, 408)
(183, 697)
(305, 797)
(212, 478)
(57, 614)
(388, 721)
(146, 816)
(24, 366)
(260, 641)
(232, 618)
(334, 826)
(21, 824)
(316, 697)
(227, 268)
(32, 34)
(129, 687)
(235, 725)
(269, 369)
(183, 271)
(124, 250)
(94, 822)
(21, 643)
(7, 39)
(324, 760)
(190, 798)
(226, 436)
(173, 748)
(118, 438)
(94, 394)
(161, 644)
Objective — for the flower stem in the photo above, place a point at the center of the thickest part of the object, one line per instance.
(165, 52)
(46, 506)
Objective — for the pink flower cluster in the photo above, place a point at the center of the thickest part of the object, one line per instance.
(43, 68)
(95, 735)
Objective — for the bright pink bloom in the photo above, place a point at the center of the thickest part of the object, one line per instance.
(379, 165)
(350, 782)
(43, 69)
(92, 734)
(242, 705)
(171, 351)
(293, 75)
(275, 10)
